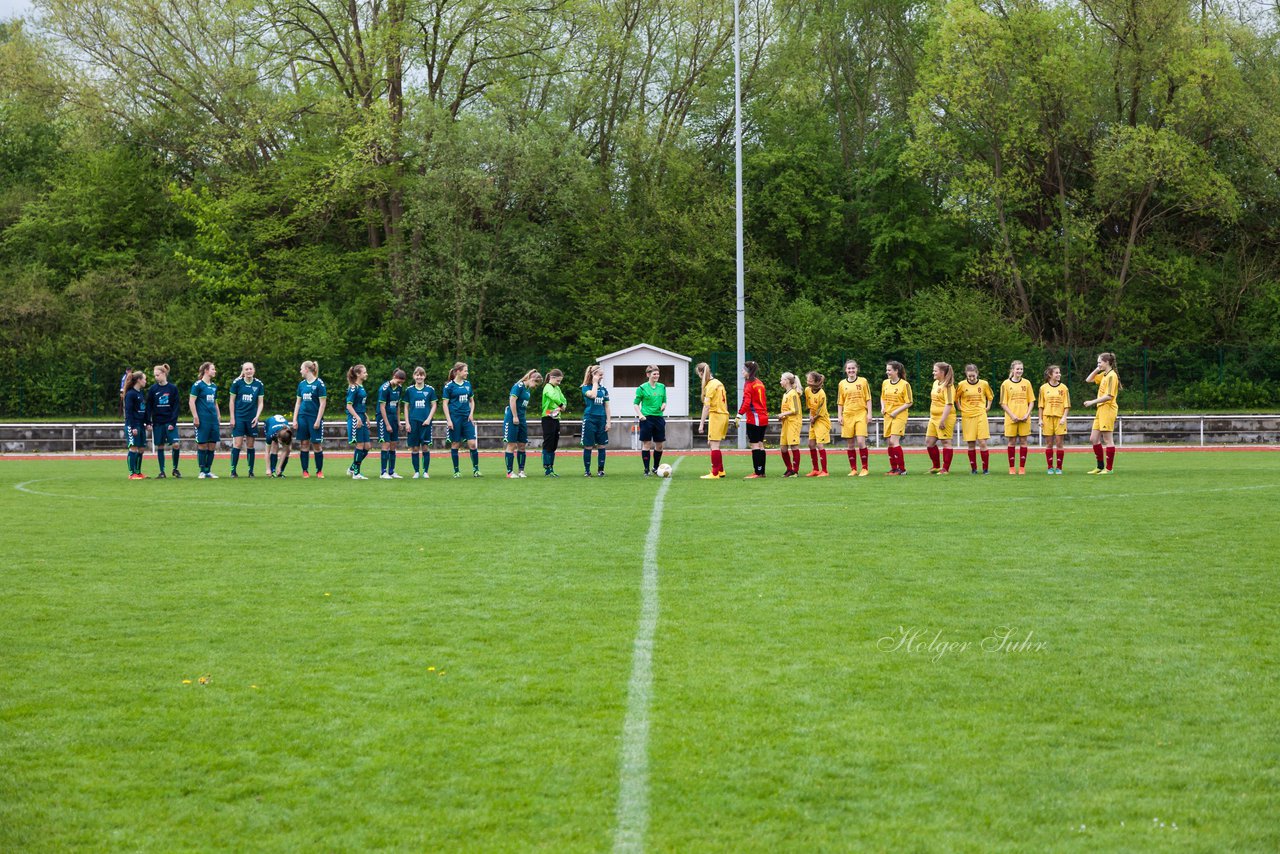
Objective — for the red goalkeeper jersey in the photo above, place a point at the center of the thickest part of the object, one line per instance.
(754, 406)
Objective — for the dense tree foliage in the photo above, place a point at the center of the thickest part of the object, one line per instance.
(427, 179)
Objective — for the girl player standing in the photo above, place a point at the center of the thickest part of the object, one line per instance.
(1018, 400)
(595, 418)
(459, 416)
(1054, 403)
(515, 421)
(790, 419)
(308, 417)
(715, 418)
(553, 406)
(973, 399)
(420, 406)
(853, 412)
(389, 422)
(246, 408)
(162, 412)
(135, 422)
(815, 399)
(357, 419)
(942, 418)
(1104, 422)
(895, 402)
(206, 417)
(755, 409)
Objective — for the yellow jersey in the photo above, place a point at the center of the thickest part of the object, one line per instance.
(790, 401)
(854, 397)
(894, 394)
(714, 397)
(1054, 400)
(941, 395)
(1108, 383)
(817, 403)
(1019, 396)
(972, 398)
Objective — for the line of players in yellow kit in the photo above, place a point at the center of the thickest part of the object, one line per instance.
(970, 399)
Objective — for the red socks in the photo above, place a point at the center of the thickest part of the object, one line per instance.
(1013, 450)
(1097, 452)
(947, 454)
(973, 459)
(897, 458)
(822, 456)
(934, 456)
(786, 459)
(795, 460)
(717, 462)
(813, 458)
(853, 459)
(1061, 452)
(865, 456)
(986, 460)
(1022, 456)
(1111, 456)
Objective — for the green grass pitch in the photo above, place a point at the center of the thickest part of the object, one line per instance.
(444, 665)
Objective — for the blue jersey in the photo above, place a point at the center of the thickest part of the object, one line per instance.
(458, 396)
(594, 408)
(162, 404)
(356, 396)
(135, 409)
(275, 424)
(389, 394)
(522, 394)
(245, 397)
(418, 401)
(310, 393)
(206, 395)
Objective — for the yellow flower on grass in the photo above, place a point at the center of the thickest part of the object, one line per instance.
(186, 681)
(206, 679)
(431, 668)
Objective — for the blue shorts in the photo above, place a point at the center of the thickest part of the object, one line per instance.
(208, 432)
(388, 432)
(242, 428)
(515, 432)
(357, 431)
(463, 431)
(653, 428)
(593, 432)
(136, 440)
(307, 431)
(165, 434)
(419, 433)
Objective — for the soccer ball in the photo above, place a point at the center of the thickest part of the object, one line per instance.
(664, 470)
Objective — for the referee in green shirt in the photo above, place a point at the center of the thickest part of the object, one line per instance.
(651, 408)
(553, 406)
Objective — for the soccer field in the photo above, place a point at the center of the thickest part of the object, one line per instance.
(921, 663)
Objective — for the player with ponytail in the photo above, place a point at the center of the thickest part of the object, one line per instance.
(459, 414)
(207, 418)
(715, 417)
(162, 412)
(895, 402)
(755, 410)
(815, 399)
(308, 417)
(1104, 421)
(357, 419)
(942, 418)
(135, 422)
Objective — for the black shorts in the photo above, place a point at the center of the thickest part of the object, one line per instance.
(653, 428)
(755, 433)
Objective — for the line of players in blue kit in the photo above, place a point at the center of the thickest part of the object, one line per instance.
(159, 407)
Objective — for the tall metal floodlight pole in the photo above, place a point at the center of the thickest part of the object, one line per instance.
(737, 183)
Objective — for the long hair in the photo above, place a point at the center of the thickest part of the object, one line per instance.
(453, 372)
(133, 380)
(970, 367)
(591, 372)
(419, 372)
(530, 375)
(1017, 362)
(398, 374)
(555, 374)
(815, 379)
(703, 370)
(353, 373)
(162, 368)
(1048, 372)
(948, 375)
(789, 381)
(311, 367)
(1110, 359)
(752, 369)
(898, 368)
(848, 362)
(204, 369)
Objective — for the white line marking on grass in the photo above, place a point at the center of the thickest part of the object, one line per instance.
(633, 789)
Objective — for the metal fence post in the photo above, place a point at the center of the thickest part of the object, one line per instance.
(1119, 430)
(1202, 431)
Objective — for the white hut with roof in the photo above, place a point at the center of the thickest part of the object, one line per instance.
(624, 373)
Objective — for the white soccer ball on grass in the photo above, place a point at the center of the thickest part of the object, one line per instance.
(664, 470)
